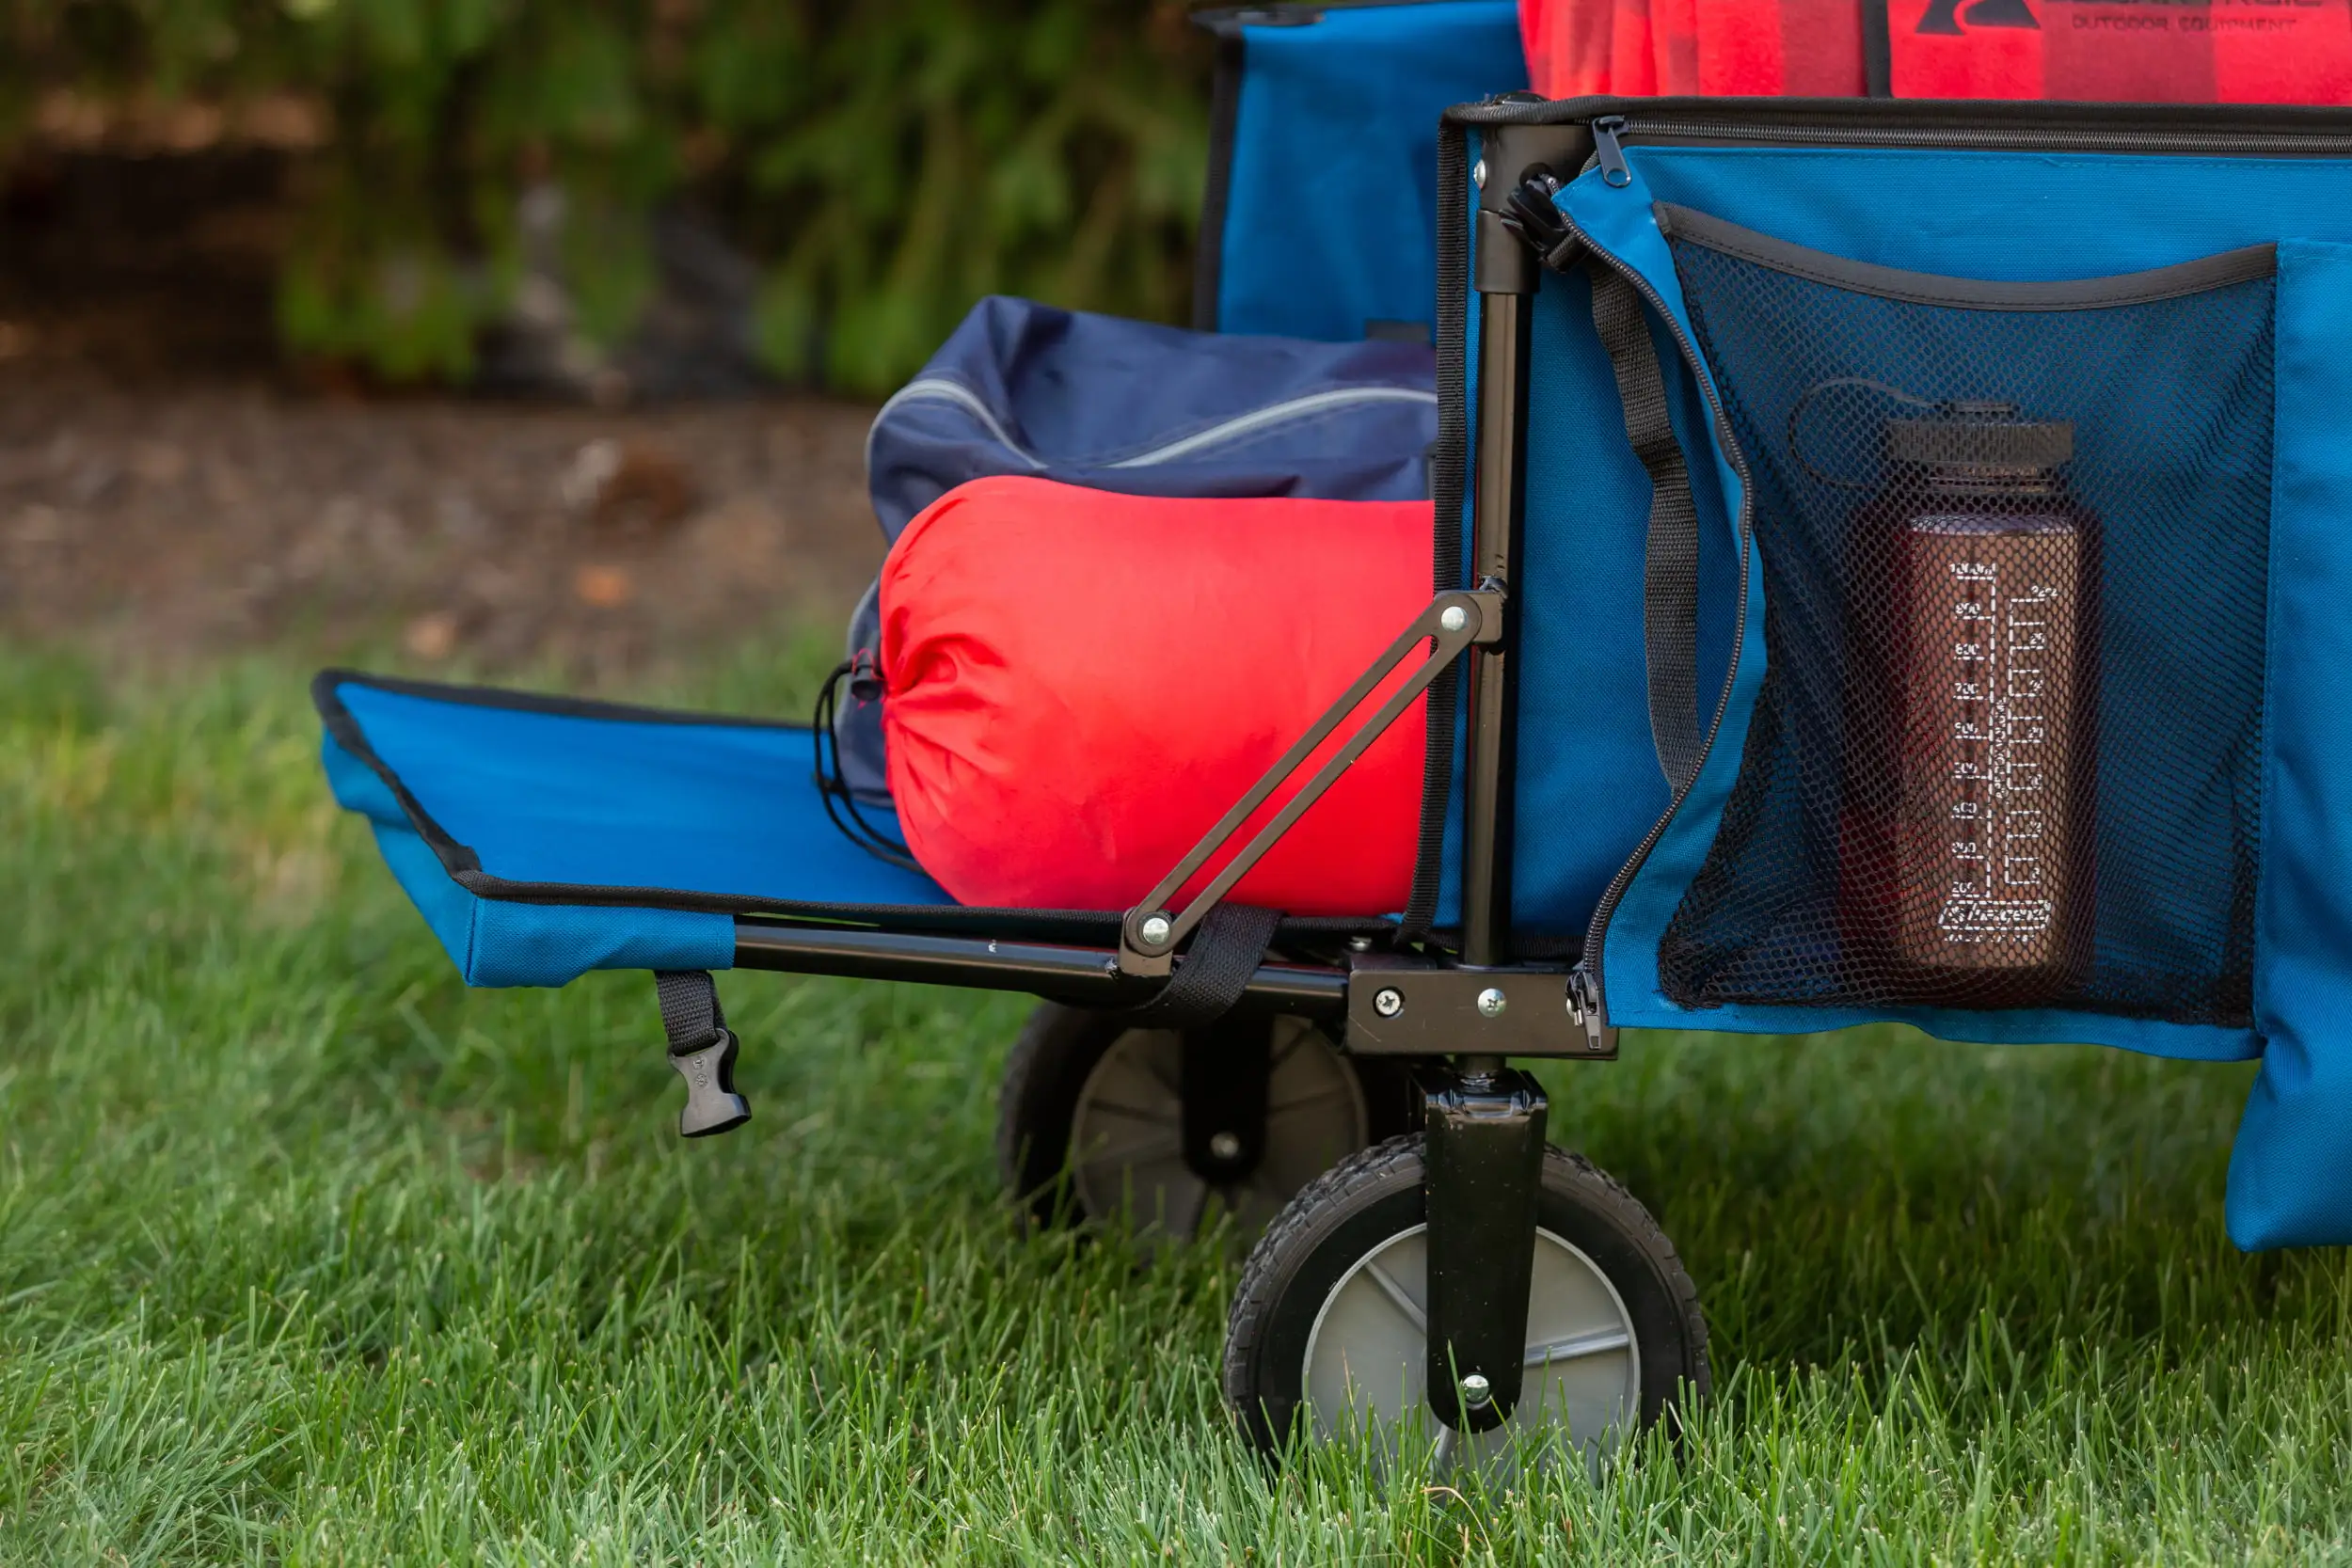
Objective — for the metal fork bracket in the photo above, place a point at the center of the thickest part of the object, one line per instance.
(1226, 1066)
(1484, 1154)
(1454, 622)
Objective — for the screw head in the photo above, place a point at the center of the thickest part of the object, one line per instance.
(1453, 617)
(1478, 174)
(1491, 1002)
(1388, 1002)
(1226, 1145)
(1155, 929)
(1360, 945)
(1476, 1390)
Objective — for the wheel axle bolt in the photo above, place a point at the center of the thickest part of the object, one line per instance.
(1388, 1002)
(1453, 617)
(1476, 1391)
(1155, 929)
(1226, 1145)
(1491, 1002)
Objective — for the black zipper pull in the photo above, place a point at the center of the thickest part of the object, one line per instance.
(1611, 152)
(1588, 1013)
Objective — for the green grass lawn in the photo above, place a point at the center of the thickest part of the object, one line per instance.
(309, 1256)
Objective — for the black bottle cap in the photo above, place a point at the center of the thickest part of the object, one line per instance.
(1980, 436)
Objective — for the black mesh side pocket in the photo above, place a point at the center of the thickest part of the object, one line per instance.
(2014, 539)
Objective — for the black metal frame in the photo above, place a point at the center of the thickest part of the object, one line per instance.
(1458, 1018)
(1085, 976)
(1484, 1125)
(1455, 622)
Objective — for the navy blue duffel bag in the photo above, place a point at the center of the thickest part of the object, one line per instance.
(1141, 409)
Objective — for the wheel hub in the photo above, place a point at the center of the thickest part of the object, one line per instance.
(1367, 1354)
(1132, 1150)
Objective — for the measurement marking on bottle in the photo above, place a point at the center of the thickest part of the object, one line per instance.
(1999, 728)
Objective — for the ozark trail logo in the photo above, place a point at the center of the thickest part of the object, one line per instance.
(1957, 16)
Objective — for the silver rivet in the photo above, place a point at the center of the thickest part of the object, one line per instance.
(1360, 945)
(1226, 1145)
(1476, 1390)
(1155, 929)
(1453, 618)
(1491, 1002)
(1478, 174)
(1388, 1002)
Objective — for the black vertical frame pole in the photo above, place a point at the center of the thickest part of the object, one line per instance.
(1484, 1125)
(1506, 278)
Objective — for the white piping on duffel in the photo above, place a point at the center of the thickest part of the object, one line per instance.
(938, 388)
(941, 389)
(1273, 413)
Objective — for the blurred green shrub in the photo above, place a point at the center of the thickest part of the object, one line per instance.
(885, 160)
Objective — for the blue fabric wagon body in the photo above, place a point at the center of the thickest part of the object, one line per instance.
(544, 838)
(1590, 787)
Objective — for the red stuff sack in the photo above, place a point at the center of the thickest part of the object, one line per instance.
(1079, 684)
(1691, 48)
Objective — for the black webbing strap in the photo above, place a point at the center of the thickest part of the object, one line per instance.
(702, 1050)
(1670, 570)
(1227, 948)
(690, 1009)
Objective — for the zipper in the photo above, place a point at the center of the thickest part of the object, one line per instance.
(942, 389)
(1585, 991)
(1610, 151)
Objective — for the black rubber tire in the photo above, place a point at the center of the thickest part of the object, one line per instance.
(1364, 1200)
(1059, 1047)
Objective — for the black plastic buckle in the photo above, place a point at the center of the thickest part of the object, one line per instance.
(712, 1106)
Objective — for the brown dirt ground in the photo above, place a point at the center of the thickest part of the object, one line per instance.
(172, 489)
(157, 521)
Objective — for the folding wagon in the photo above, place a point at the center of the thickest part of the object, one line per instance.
(1887, 567)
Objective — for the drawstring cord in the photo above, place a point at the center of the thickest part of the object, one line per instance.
(840, 802)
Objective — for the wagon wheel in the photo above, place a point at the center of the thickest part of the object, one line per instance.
(1327, 1335)
(1091, 1123)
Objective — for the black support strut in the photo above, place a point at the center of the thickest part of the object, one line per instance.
(1485, 1155)
(1226, 1066)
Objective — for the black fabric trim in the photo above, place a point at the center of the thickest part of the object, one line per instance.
(1670, 566)
(1208, 252)
(1448, 473)
(1968, 293)
(1878, 51)
(1996, 118)
(463, 865)
(324, 683)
